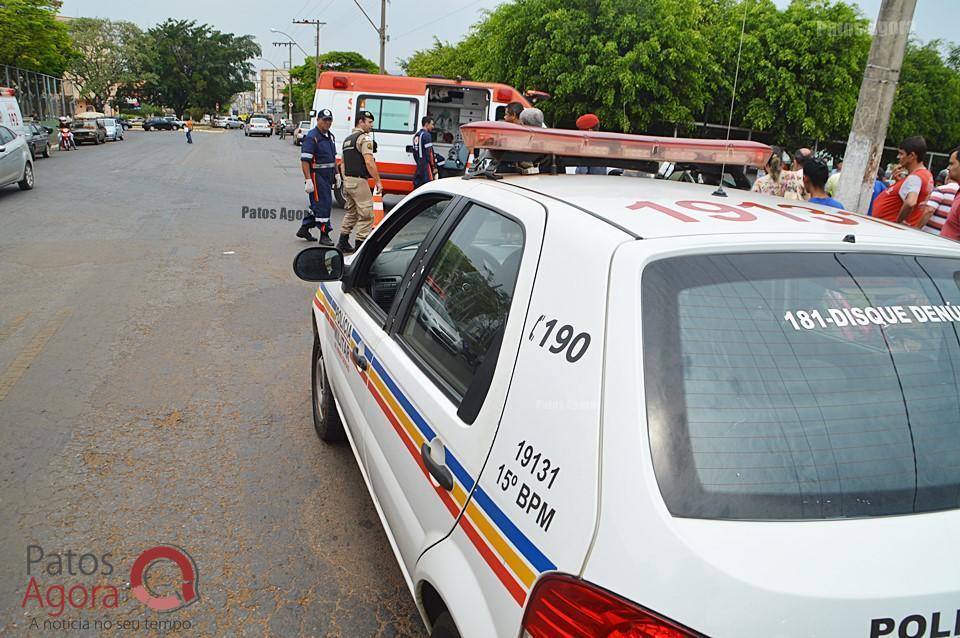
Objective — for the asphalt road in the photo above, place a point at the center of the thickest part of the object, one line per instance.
(155, 389)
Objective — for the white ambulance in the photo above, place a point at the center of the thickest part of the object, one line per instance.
(10, 115)
(398, 103)
(593, 405)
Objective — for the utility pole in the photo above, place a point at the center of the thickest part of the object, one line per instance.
(381, 30)
(289, 46)
(318, 24)
(879, 87)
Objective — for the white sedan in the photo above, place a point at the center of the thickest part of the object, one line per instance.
(258, 126)
(16, 165)
(648, 408)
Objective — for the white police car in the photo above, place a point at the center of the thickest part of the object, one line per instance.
(654, 408)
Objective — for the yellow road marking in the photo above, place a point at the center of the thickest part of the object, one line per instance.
(11, 327)
(19, 366)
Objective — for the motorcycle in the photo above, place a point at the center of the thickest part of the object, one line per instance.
(66, 141)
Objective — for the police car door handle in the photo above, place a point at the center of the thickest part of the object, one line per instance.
(440, 473)
(358, 358)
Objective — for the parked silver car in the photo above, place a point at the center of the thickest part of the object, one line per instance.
(16, 166)
(114, 129)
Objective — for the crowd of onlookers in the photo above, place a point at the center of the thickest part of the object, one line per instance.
(905, 193)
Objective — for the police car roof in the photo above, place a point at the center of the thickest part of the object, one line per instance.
(654, 208)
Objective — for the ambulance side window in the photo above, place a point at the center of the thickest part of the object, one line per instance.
(390, 114)
(6, 136)
(455, 324)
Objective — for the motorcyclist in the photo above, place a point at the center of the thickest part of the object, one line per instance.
(66, 135)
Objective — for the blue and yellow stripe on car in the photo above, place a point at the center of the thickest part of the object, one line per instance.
(512, 557)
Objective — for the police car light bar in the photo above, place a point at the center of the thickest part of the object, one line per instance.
(502, 136)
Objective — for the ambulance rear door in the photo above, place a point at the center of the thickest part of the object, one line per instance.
(396, 119)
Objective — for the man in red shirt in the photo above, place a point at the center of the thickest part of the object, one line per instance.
(951, 227)
(904, 201)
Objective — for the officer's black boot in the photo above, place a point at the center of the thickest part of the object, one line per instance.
(344, 244)
(304, 233)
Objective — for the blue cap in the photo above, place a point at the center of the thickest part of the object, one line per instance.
(324, 114)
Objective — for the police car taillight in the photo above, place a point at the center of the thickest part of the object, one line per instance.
(562, 605)
(502, 136)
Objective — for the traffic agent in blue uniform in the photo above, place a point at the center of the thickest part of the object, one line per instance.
(318, 160)
(423, 153)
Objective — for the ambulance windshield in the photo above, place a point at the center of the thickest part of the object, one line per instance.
(803, 386)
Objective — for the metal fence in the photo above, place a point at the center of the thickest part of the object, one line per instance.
(41, 96)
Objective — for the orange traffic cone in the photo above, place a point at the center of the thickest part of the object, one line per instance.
(377, 207)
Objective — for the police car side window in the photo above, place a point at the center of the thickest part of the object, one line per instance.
(455, 324)
(381, 280)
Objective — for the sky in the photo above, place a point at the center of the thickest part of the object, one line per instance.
(409, 26)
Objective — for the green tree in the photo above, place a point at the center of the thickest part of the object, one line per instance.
(442, 58)
(800, 69)
(928, 84)
(304, 76)
(106, 56)
(31, 38)
(195, 65)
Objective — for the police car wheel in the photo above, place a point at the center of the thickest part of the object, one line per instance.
(444, 627)
(326, 419)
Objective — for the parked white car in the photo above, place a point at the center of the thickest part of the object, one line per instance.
(646, 408)
(16, 165)
(114, 129)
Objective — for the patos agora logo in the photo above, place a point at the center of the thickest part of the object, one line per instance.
(188, 593)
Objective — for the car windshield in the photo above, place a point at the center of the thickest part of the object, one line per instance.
(803, 386)
(305, 124)
(258, 120)
(109, 122)
(85, 124)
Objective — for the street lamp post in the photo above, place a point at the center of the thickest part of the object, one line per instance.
(289, 46)
(318, 24)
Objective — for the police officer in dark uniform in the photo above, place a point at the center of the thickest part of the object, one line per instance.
(423, 153)
(318, 160)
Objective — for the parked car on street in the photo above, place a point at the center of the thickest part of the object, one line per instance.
(257, 126)
(114, 129)
(233, 122)
(38, 139)
(16, 165)
(302, 129)
(158, 124)
(750, 408)
(176, 122)
(89, 131)
(219, 122)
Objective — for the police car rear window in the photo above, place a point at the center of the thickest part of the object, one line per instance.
(803, 386)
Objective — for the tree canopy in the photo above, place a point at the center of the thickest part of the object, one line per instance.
(191, 65)
(636, 63)
(31, 38)
(107, 55)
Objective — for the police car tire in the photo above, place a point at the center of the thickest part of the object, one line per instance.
(328, 427)
(444, 627)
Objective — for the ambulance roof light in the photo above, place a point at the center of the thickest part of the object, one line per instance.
(7, 91)
(339, 82)
(501, 136)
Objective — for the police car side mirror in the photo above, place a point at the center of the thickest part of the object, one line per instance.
(319, 264)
